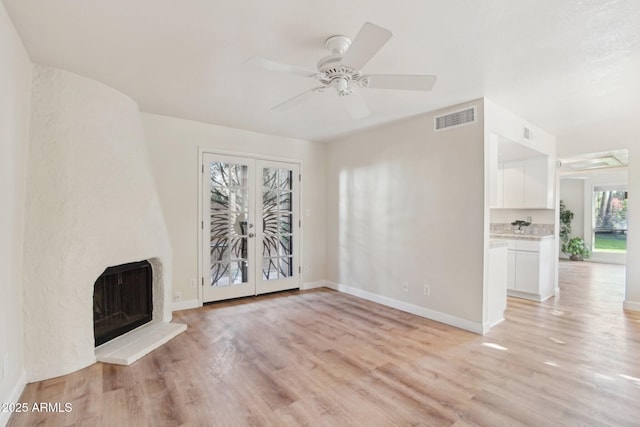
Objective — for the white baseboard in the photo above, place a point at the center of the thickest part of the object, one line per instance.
(631, 305)
(313, 285)
(13, 397)
(185, 305)
(486, 326)
(448, 319)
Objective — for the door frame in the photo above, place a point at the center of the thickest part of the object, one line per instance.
(200, 220)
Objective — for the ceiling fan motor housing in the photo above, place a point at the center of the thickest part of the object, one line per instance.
(333, 73)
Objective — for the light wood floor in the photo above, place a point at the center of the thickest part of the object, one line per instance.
(328, 359)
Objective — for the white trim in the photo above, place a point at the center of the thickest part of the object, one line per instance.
(486, 326)
(14, 397)
(313, 285)
(527, 295)
(448, 319)
(186, 304)
(631, 305)
(199, 232)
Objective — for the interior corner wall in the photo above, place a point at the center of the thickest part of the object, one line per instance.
(174, 146)
(406, 204)
(15, 87)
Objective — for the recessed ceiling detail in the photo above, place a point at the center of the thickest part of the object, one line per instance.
(588, 164)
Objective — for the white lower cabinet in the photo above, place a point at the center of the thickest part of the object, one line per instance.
(530, 269)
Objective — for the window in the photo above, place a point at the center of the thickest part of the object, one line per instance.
(610, 218)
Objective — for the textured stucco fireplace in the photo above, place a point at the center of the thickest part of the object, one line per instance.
(92, 203)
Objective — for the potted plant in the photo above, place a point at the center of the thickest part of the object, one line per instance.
(565, 225)
(577, 248)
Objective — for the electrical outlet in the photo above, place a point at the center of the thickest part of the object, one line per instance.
(427, 290)
(178, 296)
(405, 286)
(192, 283)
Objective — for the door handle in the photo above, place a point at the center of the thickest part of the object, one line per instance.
(251, 235)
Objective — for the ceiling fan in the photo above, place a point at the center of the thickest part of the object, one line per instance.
(341, 71)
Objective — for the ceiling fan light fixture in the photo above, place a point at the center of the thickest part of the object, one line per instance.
(342, 86)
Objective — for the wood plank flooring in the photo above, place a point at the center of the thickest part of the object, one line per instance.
(322, 358)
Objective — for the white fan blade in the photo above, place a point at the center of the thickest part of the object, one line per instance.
(369, 40)
(298, 99)
(401, 81)
(355, 106)
(268, 64)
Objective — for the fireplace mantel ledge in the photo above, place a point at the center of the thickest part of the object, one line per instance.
(135, 344)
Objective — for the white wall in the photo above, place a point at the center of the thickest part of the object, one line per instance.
(15, 90)
(572, 193)
(91, 204)
(15, 87)
(174, 145)
(588, 143)
(405, 203)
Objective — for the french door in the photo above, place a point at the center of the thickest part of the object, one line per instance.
(250, 226)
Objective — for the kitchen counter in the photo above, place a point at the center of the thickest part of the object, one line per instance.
(515, 236)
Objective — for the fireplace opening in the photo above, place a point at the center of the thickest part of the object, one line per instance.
(122, 300)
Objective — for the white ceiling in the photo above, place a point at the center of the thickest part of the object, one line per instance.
(571, 67)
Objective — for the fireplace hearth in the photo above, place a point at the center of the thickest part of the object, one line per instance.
(122, 300)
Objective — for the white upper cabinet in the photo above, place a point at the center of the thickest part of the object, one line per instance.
(520, 179)
(538, 185)
(513, 184)
(527, 184)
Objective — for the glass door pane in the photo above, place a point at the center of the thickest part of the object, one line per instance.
(279, 230)
(227, 226)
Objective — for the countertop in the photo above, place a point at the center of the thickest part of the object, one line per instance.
(514, 236)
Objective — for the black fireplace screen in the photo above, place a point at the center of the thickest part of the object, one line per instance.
(122, 300)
